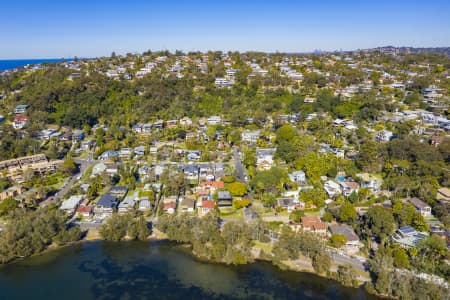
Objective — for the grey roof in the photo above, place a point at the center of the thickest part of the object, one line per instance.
(107, 200)
(128, 202)
(417, 203)
(284, 202)
(345, 230)
(144, 203)
(72, 202)
(224, 195)
(118, 189)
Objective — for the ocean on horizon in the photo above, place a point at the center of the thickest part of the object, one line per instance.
(9, 64)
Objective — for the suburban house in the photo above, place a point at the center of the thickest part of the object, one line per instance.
(77, 135)
(170, 207)
(98, 169)
(125, 153)
(69, 206)
(223, 82)
(421, 206)
(20, 109)
(171, 124)
(224, 199)
(185, 121)
(20, 121)
(108, 154)
(332, 188)
(139, 151)
(187, 205)
(297, 176)
(193, 155)
(370, 181)
(286, 203)
(205, 207)
(314, 224)
(352, 244)
(408, 237)
(118, 191)
(144, 205)
(84, 211)
(349, 187)
(212, 186)
(127, 205)
(384, 135)
(250, 136)
(106, 206)
(264, 158)
(214, 120)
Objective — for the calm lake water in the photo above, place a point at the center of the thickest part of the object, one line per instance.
(155, 270)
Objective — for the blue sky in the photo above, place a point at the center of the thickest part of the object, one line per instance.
(67, 28)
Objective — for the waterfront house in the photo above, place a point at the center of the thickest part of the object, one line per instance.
(127, 205)
(313, 224)
(106, 206)
(408, 237)
(69, 206)
(84, 211)
(352, 245)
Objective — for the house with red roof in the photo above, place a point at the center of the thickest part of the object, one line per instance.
(20, 121)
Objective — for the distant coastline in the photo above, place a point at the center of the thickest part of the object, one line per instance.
(9, 64)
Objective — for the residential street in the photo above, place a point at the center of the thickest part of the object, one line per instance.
(239, 167)
(83, 165)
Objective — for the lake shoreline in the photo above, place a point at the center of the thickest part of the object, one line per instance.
(158, 236)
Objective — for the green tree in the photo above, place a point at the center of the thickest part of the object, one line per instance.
(380, 221)
(7, 205)
(296, 216)
(401, 259)
(69, 166)
(237, 189)
(115, 227)
(142, 228)
(285, 133)
(337, 240)
(347, 212)
(315, 196)
(321, 262)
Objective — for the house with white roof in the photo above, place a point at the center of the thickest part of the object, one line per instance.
(332, 188)
(127, 205)
(71, 204)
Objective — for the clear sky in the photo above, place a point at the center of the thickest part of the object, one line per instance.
(67, 28)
